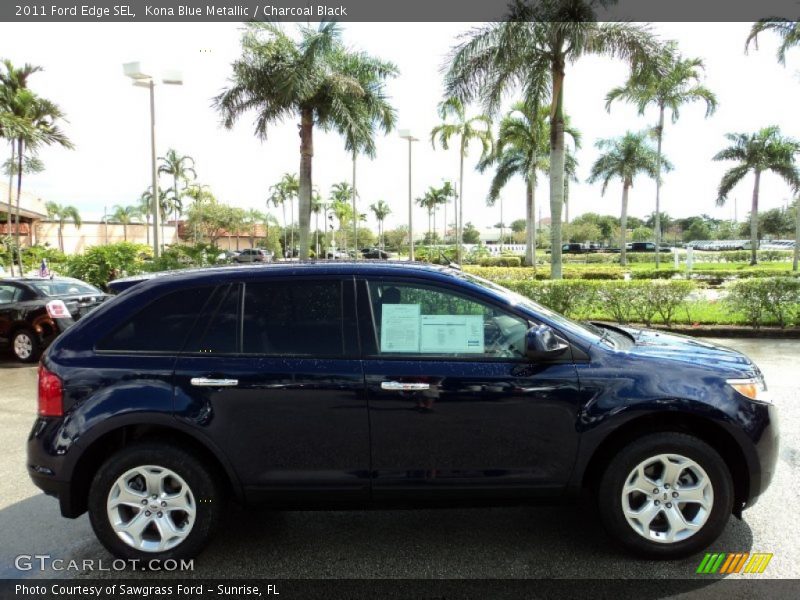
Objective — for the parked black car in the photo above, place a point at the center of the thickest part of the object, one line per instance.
(33, 311)
(374, 253)
(380, 384)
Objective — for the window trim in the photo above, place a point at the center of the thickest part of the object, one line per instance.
(429, 283)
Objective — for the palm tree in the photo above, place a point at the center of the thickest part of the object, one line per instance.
(145, 206)
(521, 149)
(765, 150)
(625, 158)
(381, 210)
(181, 168)
(125, 215)
(37, 119)
(343, 211)
(530, 50)
(62, 214)
(667, 86)
(456, 124)
(282, 192)
(316, 79)
(788, 31)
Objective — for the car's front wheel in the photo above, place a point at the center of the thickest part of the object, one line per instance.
(666, 495)
(154, 501)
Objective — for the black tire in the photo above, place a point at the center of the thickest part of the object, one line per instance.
(205, 489)
(612, 483)
(35, 345)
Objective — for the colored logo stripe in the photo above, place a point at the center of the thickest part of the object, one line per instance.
(730, 563)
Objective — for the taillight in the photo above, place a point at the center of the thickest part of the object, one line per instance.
(51, 397)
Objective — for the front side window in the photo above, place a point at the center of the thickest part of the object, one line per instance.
(413, 319)
(293, 318)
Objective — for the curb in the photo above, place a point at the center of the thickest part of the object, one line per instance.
(725, 331)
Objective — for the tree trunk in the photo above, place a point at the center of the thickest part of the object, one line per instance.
(147, 227)
(530, 223)
(11, 199)
(285, 230)
(754, 221)
(460, 219)
(623, 224)
(124, 231)
(61, 236)
(659, 137)
(20, 153)
(355, 208)
(796, 259)
(306, 154)
(556, 169)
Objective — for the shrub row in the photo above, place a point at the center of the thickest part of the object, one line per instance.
(757, 299)
(501, 274)
(623, 300)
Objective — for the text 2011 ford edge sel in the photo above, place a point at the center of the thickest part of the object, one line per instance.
(386, 385)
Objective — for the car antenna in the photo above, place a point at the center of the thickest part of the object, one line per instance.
(449, 262)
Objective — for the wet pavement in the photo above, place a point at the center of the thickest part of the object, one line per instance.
(524, 542)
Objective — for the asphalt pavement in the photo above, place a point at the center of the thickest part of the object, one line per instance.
(521, 542)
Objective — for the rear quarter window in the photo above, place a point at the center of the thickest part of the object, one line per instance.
(160, 326)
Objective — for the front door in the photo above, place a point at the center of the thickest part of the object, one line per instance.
(457, 413)
(272, 374)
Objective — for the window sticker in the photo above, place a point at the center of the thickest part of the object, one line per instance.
(400, 327)
(452, 334)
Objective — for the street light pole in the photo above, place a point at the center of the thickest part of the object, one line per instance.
(156, 208)
(407, 135)
(142, 78)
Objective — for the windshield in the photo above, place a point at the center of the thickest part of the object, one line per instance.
(61, 287)
(590, 332)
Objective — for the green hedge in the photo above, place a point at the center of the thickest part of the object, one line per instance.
(101, 264)
(624, 301)
(500, 261)
(757, 299)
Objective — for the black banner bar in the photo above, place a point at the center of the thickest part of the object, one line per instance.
(375, 10)
(188, 589)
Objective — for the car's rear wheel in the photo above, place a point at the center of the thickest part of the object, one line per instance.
(666, 495)
(154, 501)
(26, 346)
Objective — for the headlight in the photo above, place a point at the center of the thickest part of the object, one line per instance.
(755, 389)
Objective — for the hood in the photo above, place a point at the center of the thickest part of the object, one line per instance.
(690, 351)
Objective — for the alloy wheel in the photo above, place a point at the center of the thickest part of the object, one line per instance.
(667, 498)
(23, 346)
(151, 508)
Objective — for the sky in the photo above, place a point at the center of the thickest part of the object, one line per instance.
(109, 120)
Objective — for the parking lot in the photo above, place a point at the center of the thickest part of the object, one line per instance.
(522, 542)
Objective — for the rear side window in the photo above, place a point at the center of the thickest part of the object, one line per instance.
(295, 318)
(217, 332)
(162, 325)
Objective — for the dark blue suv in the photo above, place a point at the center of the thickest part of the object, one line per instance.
(340, 385)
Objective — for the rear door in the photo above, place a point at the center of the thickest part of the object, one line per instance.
(273, 377)
(457, 412)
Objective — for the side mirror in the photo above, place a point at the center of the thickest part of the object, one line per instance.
(541, 343)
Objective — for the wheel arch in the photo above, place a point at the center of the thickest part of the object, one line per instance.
(703, 428)
(105, 444)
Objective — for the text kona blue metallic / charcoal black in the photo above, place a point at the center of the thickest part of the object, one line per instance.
(341, 385)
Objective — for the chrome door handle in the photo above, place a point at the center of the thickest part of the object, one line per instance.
(399, 386)
(206, 382)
